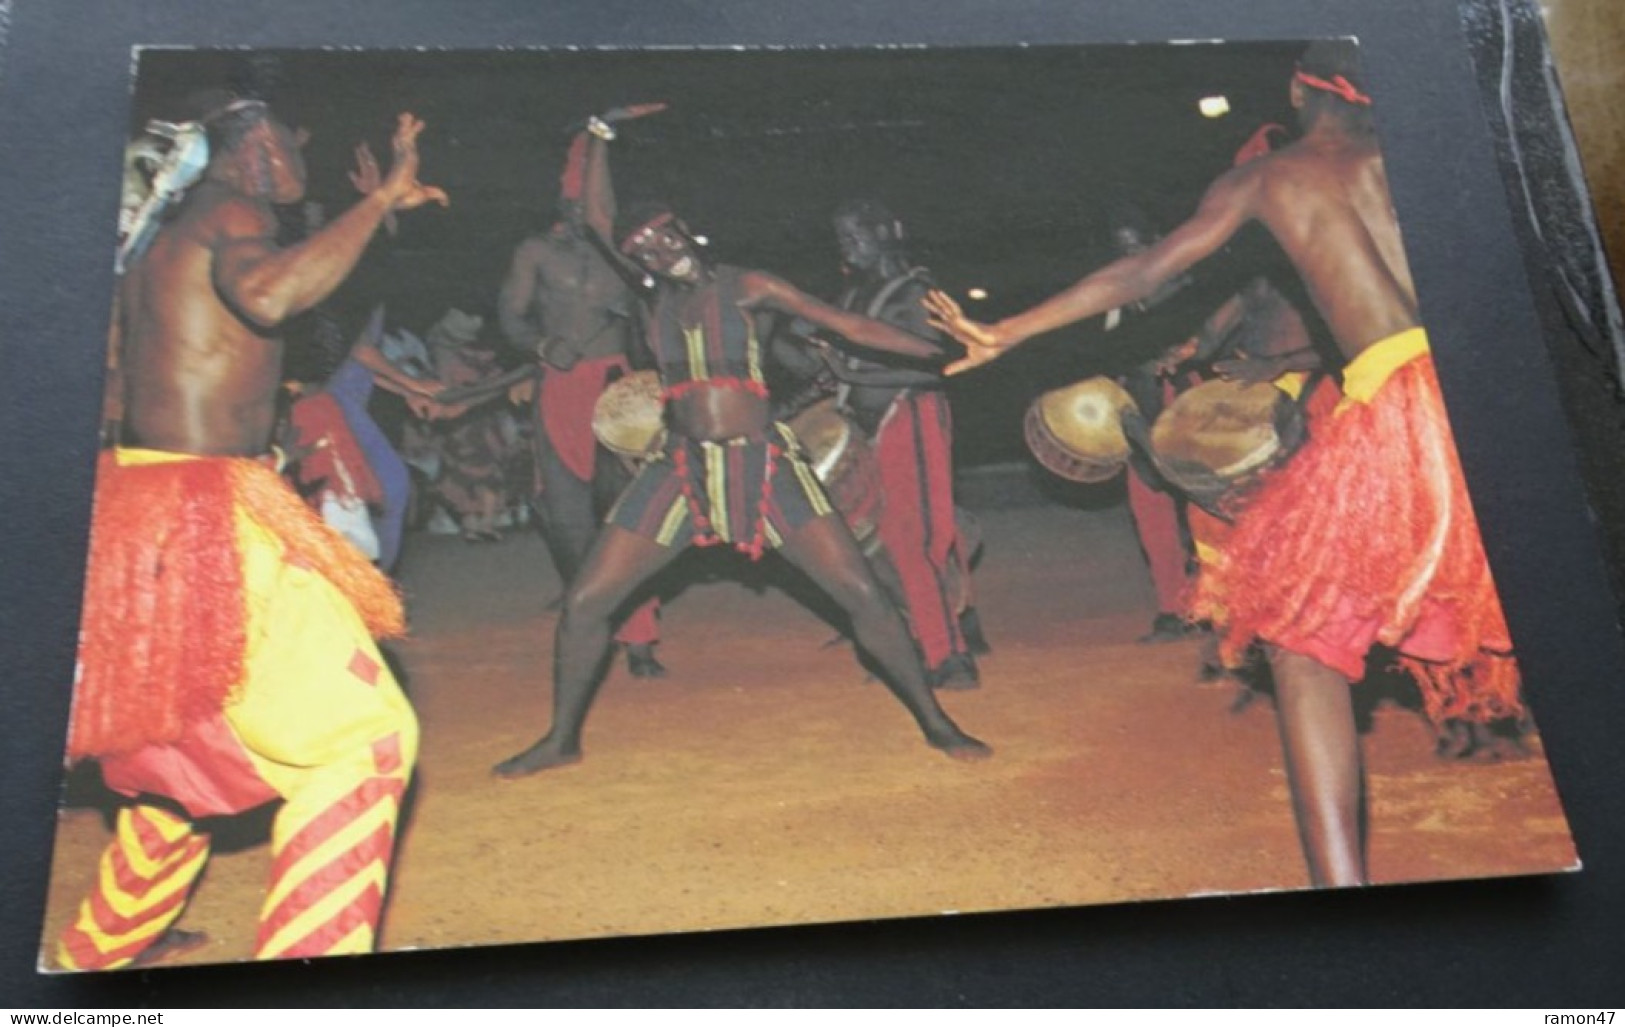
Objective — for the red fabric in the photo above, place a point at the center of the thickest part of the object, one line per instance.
(1367, 536)
(1337, 85)
(566, 400)
(163, 633)
(335, 457)
(575, 169)
(206, 770)
(1156, 521)
(914, 450)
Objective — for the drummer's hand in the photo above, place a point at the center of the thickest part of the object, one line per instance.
(1247, 370)
(422, 407)
(522, 394)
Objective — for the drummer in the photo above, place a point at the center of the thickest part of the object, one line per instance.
(1367, 535)
(564, 306)
(729, 474)
(901, 407)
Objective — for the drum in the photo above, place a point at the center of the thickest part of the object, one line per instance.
(628, 417)
(1077, 432)
(844, 463)
(1217, 437)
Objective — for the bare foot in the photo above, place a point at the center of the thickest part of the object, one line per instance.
(641, 661)
(544, 755)
(957, 745)
(956, 674)
(172, 944)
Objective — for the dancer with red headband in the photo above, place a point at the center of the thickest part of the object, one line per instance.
(728, 475)
(1366, 536)
(565, 306)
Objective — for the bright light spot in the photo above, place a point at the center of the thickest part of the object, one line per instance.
(1213, 106)
(977, 293)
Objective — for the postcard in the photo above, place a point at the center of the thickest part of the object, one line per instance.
(579, 493)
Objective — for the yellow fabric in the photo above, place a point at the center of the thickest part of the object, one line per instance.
(1366, 374)
(316, 705)
(315, 697)
(1292, 383)
(1206, 555)
(151, 906)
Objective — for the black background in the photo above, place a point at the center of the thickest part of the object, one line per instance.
(64, 86)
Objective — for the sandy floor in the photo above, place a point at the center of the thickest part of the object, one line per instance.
(764, 782)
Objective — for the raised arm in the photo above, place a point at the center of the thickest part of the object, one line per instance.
(764, 291)
(598, 187)
(267, 285)
(1228, 204)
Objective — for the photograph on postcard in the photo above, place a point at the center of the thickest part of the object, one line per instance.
(577, 493)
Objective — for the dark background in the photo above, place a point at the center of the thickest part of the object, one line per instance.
(1007, 166)
(1003, 176)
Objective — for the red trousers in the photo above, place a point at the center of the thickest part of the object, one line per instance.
(914, 448)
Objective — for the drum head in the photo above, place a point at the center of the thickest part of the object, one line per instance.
(627, 418)
(1218, 429)
(824, 432)
(1077, 431)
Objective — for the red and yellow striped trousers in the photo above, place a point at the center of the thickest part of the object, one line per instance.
(323, 723)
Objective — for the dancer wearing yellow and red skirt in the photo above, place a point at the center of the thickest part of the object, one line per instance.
(1383, 541)
(226, 655)
(254, 678)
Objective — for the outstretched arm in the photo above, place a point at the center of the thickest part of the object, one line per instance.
(1228, 204)
(267, 285)
(762, 290)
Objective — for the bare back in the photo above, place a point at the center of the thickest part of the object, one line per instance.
(1326, 201)
(198, 377)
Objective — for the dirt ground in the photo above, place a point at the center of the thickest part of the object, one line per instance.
(766, 782)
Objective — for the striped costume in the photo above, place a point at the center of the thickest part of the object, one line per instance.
(749, 492)
(226, 661)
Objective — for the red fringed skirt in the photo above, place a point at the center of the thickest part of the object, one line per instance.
(163, 634)
(1367, 537)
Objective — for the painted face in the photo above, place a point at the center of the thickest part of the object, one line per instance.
(861, 245)
(663, 250)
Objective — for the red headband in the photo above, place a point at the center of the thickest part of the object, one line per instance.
(655, 222)
(1338, 86)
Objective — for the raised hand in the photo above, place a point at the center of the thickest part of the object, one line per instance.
(981, 343)
(402, 188)
(367, 178)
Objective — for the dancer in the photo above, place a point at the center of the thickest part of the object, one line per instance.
(227, 656)
(728, 473)
(1366, 536)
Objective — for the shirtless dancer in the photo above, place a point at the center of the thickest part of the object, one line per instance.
(1367, 535)
(729, 474)
(564, 305)
(227, 656)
